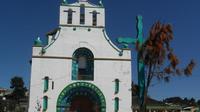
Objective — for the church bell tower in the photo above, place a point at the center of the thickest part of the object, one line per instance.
(80, 69)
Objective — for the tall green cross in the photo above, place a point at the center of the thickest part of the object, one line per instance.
(125, 41)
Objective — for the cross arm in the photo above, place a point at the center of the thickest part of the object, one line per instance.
(125, 41)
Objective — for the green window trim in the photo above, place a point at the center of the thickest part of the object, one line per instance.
(116, 104)
(86, 73)
(74, 69)
(46, 84)
(45, 103)
(116, 86)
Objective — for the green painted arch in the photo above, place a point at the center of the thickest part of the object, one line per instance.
(75, 86)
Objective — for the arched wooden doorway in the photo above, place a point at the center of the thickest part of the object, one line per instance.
(81, 97)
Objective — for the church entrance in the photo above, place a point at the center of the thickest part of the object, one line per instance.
(81, 97)
(82, 103)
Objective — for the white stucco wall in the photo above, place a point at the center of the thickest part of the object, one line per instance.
(108, 66)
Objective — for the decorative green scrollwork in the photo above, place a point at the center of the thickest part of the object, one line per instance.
(80, 88)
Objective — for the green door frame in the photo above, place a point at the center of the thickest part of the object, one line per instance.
(85, 85)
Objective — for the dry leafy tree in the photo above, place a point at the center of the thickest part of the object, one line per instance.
(159, 58)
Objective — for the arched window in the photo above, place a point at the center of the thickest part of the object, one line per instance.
(83, 65)
(45, 103)
(116, 104)
(70, 14)
(82, 14)
(46, 83)
(116, 86)
(94, 18)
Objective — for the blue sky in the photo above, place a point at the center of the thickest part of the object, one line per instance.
(21, 21)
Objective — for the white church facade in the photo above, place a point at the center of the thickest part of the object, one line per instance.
(80, 69)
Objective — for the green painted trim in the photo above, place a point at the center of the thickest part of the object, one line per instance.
(116, 86)
(45, 103)
(82, 85)
(116, 104)
(89, 56)
(110, 42)
(74, 75)
(46, 84)
(51, 43)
